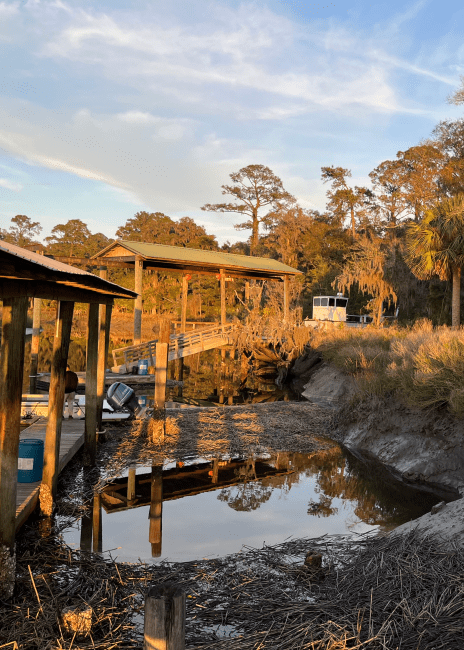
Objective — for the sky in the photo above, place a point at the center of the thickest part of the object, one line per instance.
(108, 108)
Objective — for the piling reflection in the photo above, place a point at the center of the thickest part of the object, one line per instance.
(246, 484)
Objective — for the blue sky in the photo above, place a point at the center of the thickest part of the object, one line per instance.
(107, 108)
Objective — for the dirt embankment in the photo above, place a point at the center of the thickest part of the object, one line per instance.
(420, 448)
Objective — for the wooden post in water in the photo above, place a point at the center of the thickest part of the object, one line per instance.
(131, 482)
(161, 375)
(138, 302)
(155, 513)
(11, 379)
(35, 346)
(215, 475)
(90, 438)
(97, 533)
(63, 324)
(164, 618)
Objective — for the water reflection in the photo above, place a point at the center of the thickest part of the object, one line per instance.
(209, 507)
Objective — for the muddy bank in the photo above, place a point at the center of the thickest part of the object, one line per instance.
(419, 448)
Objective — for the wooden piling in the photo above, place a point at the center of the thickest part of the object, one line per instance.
(103, 345)
(97, 532)
(63, 324)
(131, 478)
(155, 513)
(138, 302)
(34, 367)
(11, 378)
(161, 376)
(90, 436)
(164, 618)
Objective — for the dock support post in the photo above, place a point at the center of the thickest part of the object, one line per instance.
(64, 316)
(90, 436)
(11, 379)
(161, 375)
(286, 299)
(35, 345)
(223, 297)
(155, 513)
(103, 344)
(138, 303)
(164, 618)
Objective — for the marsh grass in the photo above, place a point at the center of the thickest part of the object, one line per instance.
(423, 366)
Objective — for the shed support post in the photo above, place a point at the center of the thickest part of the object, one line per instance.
(223, 297)
(90, 436)
(64, 317)
(11, 379)
(35, 345)
(286, 299)
(183, 319)
(103, 344)
(138, 288)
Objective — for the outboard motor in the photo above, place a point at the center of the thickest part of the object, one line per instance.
(120, 396)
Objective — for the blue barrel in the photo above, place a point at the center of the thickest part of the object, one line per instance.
(143, 367)
(30, 460)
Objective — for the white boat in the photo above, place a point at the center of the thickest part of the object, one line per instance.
(332, 309)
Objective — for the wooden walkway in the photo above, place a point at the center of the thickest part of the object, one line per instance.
(72, 439)
(180, 345)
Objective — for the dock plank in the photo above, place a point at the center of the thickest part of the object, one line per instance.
(72, 439)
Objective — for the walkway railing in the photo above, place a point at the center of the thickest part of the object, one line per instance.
(180, 345)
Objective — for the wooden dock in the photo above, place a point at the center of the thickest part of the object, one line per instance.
(72, 439)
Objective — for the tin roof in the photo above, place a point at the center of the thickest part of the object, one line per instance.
(182, 258)
(18, 263)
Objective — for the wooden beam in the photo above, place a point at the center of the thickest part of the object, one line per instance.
(138, 302)
(54, 291)
(11, 380)
(35, 346)
(223, 297)
(90, 436)
(63, 324)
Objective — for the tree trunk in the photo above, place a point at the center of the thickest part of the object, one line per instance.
(456, 298)
(353, 225)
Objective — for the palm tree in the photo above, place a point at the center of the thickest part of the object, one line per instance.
(435, 246)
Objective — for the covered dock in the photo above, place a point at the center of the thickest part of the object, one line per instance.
(25, 275)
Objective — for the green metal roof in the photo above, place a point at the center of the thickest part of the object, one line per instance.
(209, 259)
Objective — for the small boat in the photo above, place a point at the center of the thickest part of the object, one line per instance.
(332, 309)
(37, 405)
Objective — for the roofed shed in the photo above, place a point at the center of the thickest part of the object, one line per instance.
(190, 260)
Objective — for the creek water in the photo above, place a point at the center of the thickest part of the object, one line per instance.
(213, 507)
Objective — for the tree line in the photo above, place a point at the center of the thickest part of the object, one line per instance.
(398, 242)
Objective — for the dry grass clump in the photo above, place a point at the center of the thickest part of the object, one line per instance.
(423, 365)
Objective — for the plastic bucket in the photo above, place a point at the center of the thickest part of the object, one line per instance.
(143, 367)
(30, 460)
(142, 400)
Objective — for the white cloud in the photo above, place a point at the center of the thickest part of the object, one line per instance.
(10, 185)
